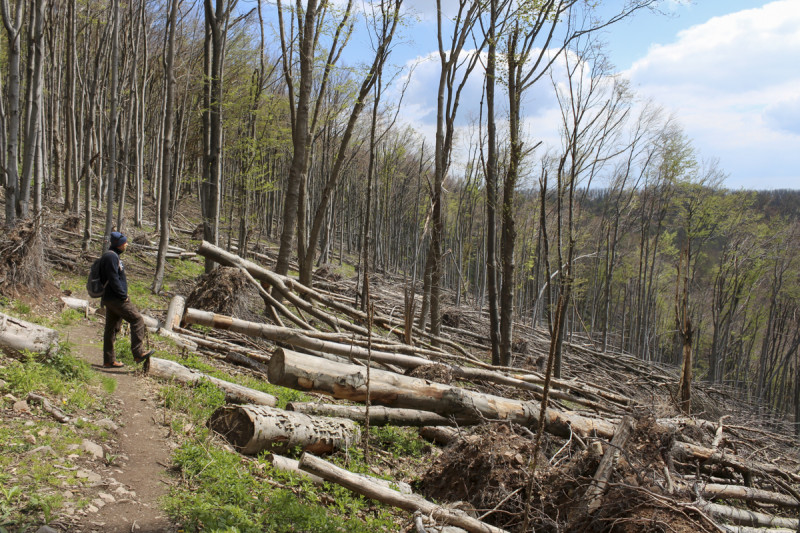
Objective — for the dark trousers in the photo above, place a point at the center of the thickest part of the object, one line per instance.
(116, 312)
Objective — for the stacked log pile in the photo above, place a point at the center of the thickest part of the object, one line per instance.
(617, 451)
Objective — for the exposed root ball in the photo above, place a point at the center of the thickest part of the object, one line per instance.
(482, 469)
(226, 291)
(22, 262)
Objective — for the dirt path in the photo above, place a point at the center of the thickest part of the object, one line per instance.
(136, 478)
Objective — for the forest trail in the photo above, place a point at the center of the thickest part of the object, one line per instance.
(136, 476)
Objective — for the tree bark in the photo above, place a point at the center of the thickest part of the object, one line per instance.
(716, 491)
(252, 429)
(343, 381)
(13, 29)
(299, 121)
(18, 335)
(168, 150)
(749, 518)
(378, 416)
(298, 338)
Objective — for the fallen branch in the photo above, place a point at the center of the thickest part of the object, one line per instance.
(748, 518)
(288, 464)
(750, 494)
(57, 413)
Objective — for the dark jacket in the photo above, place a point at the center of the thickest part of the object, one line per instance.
(112, 275)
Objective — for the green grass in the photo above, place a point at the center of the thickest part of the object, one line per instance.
(31, 483)
(69, 317)
(187, 269)
(224, 492)
(195, 362)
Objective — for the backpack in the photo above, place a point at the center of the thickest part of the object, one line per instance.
(94, 286)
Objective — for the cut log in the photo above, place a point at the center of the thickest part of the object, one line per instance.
(594, 494)
(20, 335)
(750, 494)
(80, 305)
(745, 529)
(165, 369)
(686, 451)
(409, 502)
(245, 361)
(744, 517)
(255, 428)
(441, 435)
(378, 416)
(76, 303)
(287, 464)
(175, 313)
(343, 381)
(308, 341)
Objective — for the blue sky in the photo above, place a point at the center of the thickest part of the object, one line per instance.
(726, 70)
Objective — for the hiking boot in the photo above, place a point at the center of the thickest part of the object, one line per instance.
(115, 364)
(144, 357)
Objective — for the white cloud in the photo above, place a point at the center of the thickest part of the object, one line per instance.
(733, 84)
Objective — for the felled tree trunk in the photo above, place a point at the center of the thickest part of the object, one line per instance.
(594, 494)
(287, 464)
(165, 369)
(254, 428)
(378, 416)
(296, 337)
(305, 372)
(748, 518)
(739, 492)
(20, 335)
(409, 502)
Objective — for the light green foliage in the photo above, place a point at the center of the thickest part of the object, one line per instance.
(32, 483)
(69, 317)
(224, 492)
(179, 270)
(398, 440)
(62, 375)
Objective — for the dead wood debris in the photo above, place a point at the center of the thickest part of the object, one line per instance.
(22, 264)
(654, 484)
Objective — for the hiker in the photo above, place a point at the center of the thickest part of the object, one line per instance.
(118, 305)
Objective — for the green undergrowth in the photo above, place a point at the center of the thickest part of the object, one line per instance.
(224, 491)
(41, 457)
(221, 490)
(196, 362)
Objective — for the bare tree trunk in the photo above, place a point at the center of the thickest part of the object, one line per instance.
(112, 126)
(491, 189)
(168, 148)
(33, 126)
(299, 106)
(13, 29)
(216, 28)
